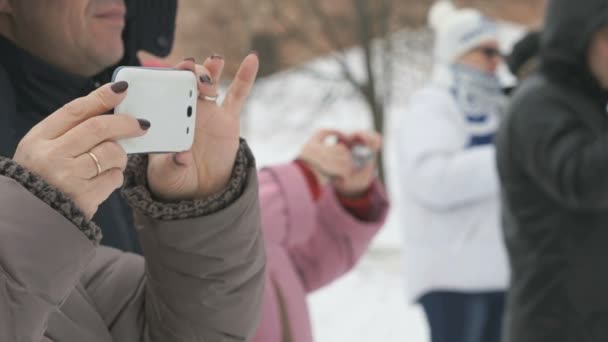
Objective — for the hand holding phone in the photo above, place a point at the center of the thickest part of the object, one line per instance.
(206, 168)
(167, 98)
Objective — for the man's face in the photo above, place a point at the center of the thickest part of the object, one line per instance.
(486, 57)
(598, 57)
(80, 36)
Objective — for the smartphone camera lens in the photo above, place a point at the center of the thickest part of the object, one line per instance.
(189, 111)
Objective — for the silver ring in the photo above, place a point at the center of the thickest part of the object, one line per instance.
(209, 98)
(94, 157)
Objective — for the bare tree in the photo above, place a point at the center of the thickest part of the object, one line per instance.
(362, 23)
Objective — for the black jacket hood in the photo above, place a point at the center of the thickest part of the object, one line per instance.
(569, 28)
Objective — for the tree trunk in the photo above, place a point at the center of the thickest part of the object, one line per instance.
(370, 89)
(379, 127)
(377, 109)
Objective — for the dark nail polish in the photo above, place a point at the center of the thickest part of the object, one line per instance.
(190, 59)
(120, 87)
(216, 56)
(206, 79)
(144, 124)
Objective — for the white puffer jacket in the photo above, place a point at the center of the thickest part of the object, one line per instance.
(450, 210)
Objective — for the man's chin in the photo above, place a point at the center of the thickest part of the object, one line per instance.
(111, 55)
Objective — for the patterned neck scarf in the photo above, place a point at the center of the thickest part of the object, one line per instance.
(478, 95)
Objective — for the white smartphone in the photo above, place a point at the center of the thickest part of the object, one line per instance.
(165, 97)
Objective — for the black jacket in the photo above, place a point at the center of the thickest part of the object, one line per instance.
(553, 162)
(30, 90)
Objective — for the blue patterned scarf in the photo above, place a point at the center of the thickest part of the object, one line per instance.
(479, 97)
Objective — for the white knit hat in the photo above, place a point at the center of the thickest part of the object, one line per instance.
(458, 31)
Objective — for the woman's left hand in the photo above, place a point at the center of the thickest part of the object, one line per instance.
(206, 168)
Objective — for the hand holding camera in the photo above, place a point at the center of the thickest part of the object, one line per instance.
(83, 153)
(75, 149)
(345, 161)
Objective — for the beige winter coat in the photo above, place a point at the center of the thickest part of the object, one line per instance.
(201, 278)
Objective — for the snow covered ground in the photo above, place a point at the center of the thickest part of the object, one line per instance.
(368, 304)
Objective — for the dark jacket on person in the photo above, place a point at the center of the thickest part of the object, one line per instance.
(30, 89)
(552, 155)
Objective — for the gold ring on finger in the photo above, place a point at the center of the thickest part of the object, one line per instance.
(96, 160)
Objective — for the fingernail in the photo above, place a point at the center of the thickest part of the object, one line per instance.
(144, 124)
(216, 56)
(190, 59)
(206, 79)
(255, 52)
(120, 87)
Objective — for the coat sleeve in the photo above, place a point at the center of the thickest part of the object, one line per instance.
(565, 158)
(42, 253)
(204, 272)
(435, 169)
(324, 241)
(202, 279)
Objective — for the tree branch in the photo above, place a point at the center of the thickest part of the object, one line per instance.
(326, 25)
(293, 28)
(365, 34)
(386, 7)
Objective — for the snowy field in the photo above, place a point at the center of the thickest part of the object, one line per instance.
(368, 304)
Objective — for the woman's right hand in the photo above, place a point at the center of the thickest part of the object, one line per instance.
(75, 149)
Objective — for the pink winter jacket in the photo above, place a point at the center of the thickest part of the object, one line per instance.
(308, 244)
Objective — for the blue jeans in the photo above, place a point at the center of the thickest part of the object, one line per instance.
(463, 317)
